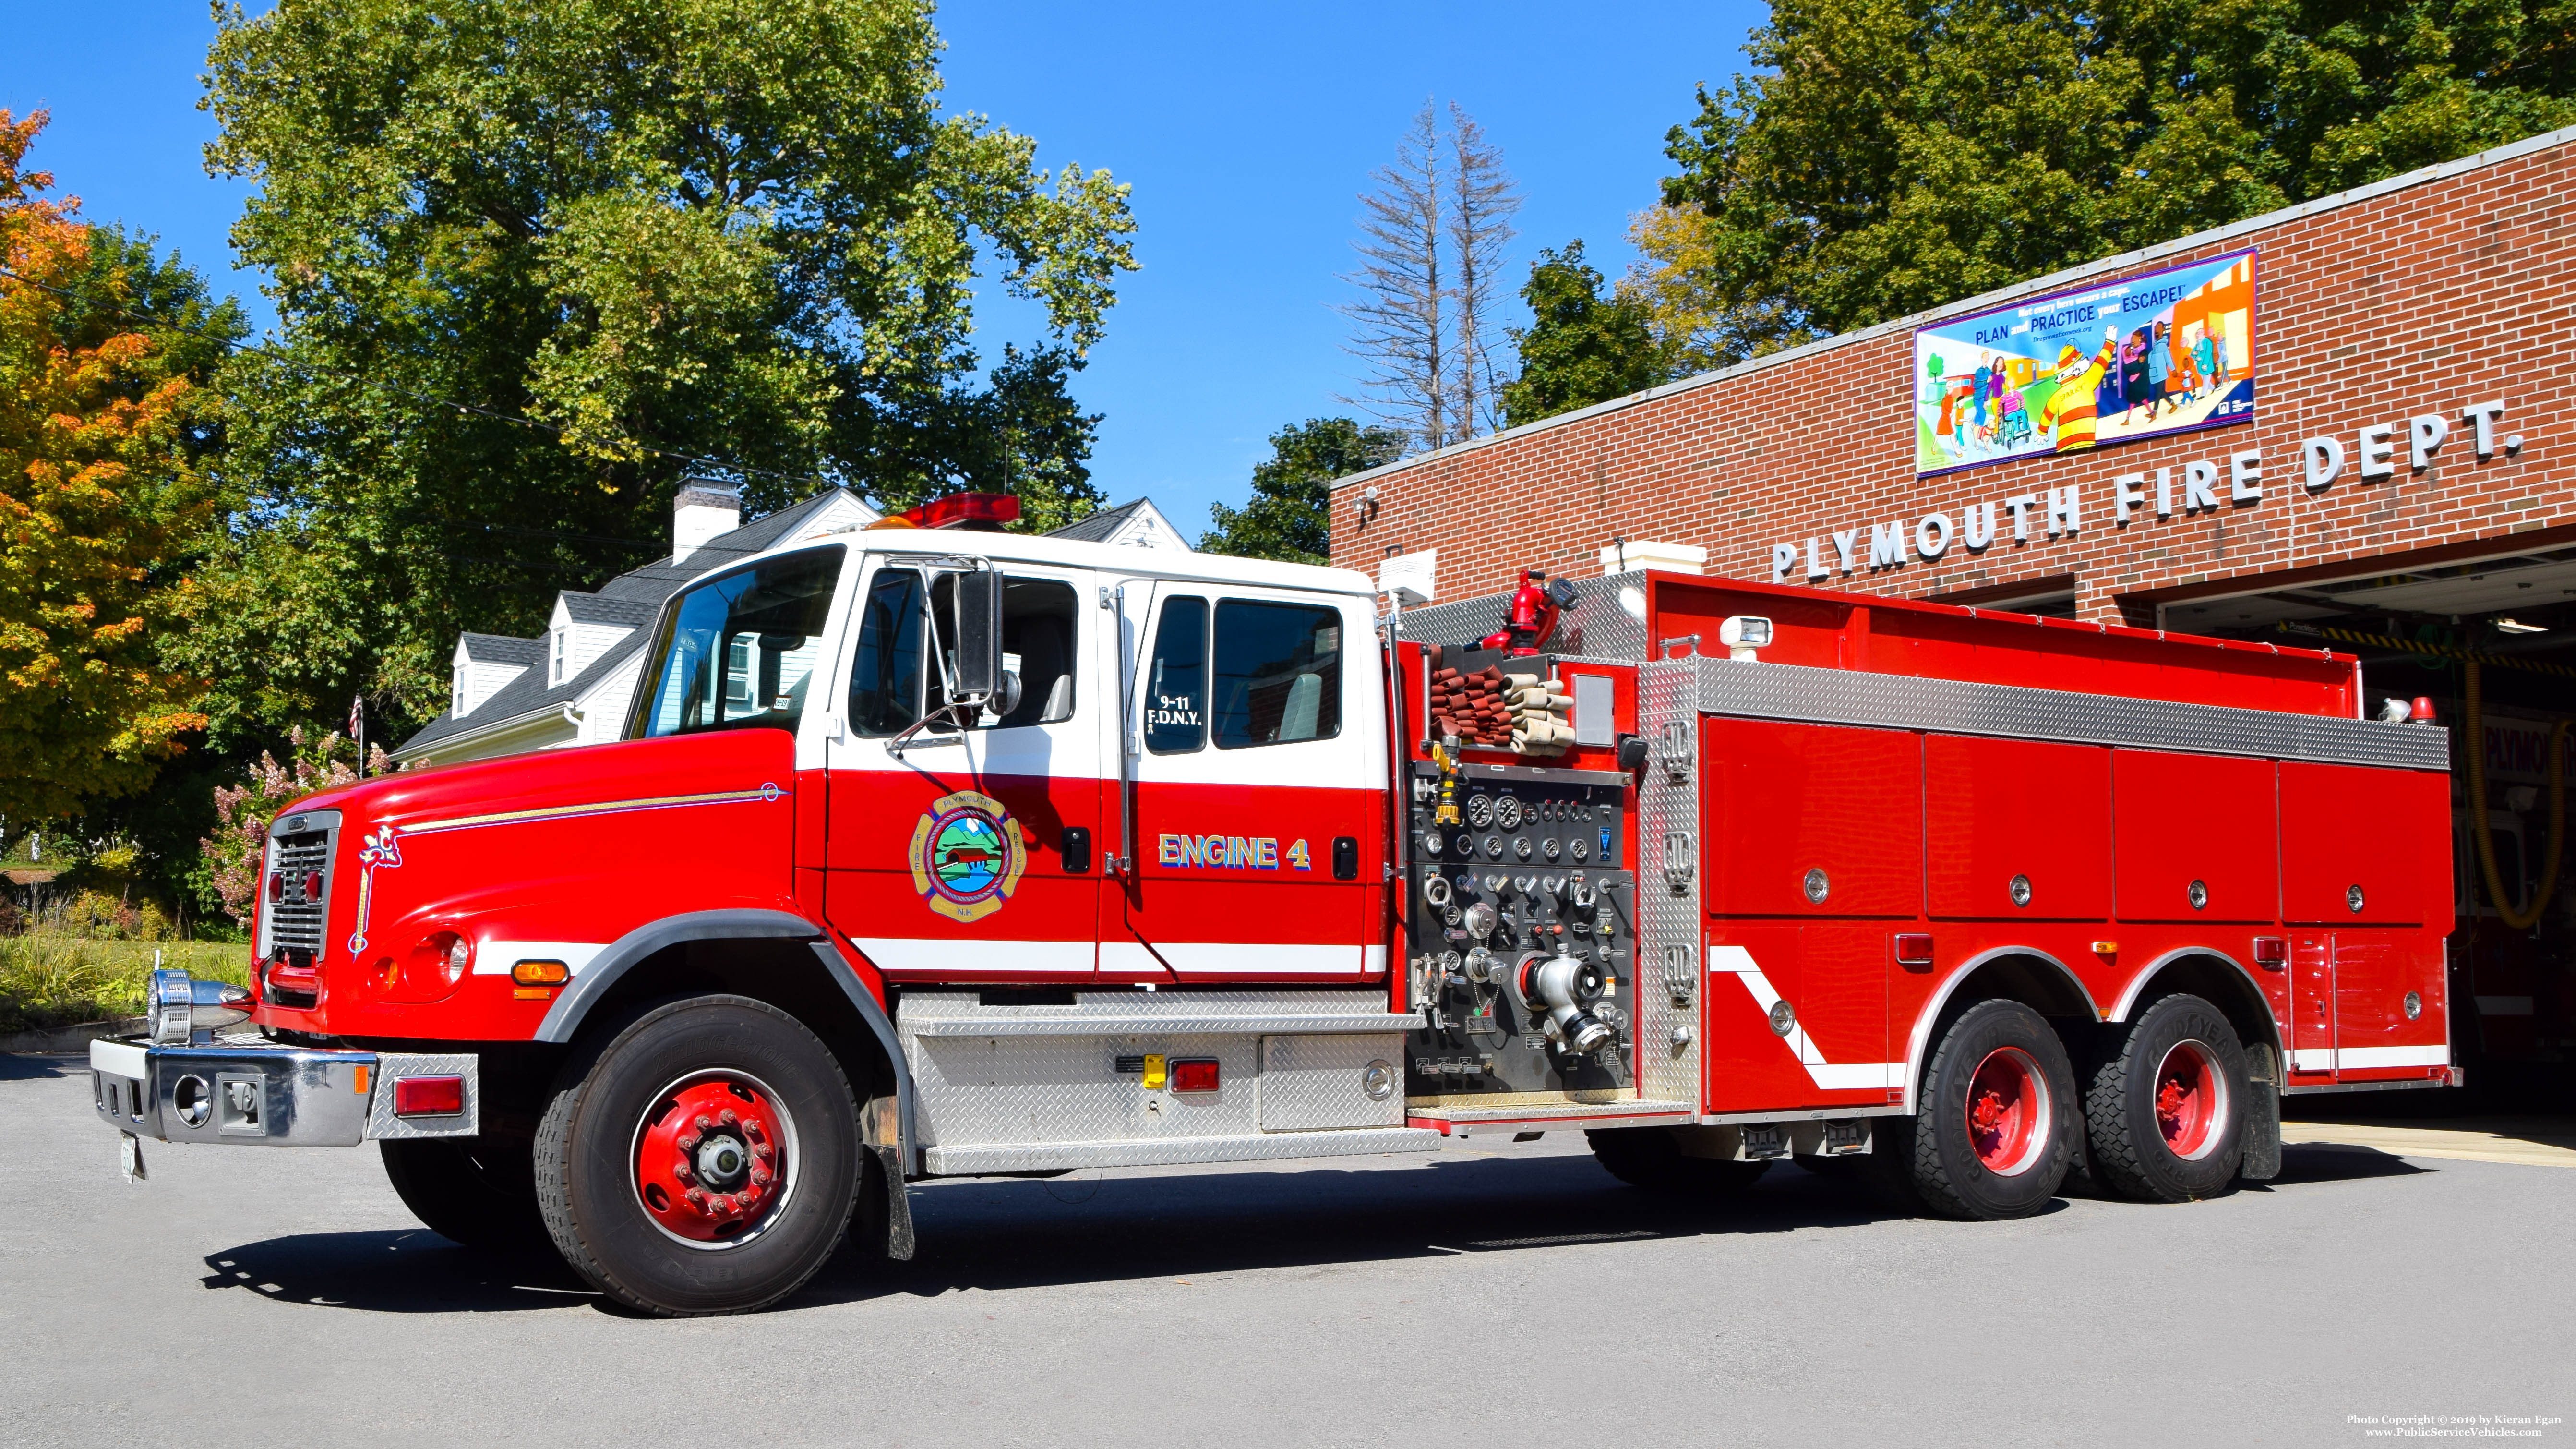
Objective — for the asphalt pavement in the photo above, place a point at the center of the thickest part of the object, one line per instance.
(1489, 1294)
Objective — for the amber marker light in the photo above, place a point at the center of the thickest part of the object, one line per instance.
(541, 973)
(2106, 948)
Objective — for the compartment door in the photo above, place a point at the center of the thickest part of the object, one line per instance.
(973, 856)
(2349, 843)
(2181, 820)
(1255, 727)
(2001, 811)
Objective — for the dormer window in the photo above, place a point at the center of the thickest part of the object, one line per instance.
(456, 691)
(555, 655)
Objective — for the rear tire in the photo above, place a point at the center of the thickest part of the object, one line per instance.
(1652, 1158)
(2165, 1110)
(1998, 1119)
(703, 1160)
(477, 1192)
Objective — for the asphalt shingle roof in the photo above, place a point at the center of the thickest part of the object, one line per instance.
(503, 649)
(630, 599)
(1097, 527)
(601, 609)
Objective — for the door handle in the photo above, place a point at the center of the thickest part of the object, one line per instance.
(1346, 857)
(1075, 847)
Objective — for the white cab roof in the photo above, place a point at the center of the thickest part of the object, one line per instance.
(1108, 558)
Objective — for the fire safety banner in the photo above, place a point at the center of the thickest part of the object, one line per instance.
(2167, 352)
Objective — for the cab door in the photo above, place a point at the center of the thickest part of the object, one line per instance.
(1256, 775)
(968, 855)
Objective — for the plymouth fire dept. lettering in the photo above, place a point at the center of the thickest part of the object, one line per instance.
(1233, 852)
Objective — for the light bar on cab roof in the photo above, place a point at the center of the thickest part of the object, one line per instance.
(966, 510)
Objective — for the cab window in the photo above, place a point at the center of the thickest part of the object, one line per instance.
(1278, 673)
(738, 651)
(1176, 679)
(894, 681)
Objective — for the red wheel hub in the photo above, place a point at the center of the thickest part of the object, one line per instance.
(2008, 1111)
(711, 1162)
(2191, 1105)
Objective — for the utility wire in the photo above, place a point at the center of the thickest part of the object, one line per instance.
(270, 353)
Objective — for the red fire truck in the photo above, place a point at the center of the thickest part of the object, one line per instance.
(947, 853)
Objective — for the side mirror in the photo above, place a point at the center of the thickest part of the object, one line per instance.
(979, 635)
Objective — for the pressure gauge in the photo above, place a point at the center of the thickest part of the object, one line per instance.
(1582, 848)
(1521, 846)
(1494, 846)
(1507, 813)
(1431, 842)
(1449, 961)
(1480, 811)
(1551, 848)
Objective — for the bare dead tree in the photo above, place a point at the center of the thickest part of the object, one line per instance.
(1482, 202)
(1399, 327)
(1432, 237)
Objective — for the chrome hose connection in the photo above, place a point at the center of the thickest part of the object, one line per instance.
(1563, 990)
(179, 1009)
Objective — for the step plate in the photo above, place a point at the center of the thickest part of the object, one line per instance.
(1170, 1152)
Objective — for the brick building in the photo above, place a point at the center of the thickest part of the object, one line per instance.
(2421, 295)
(2404, 489)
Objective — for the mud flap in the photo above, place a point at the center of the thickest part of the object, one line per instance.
(885, 1204)
(2262, 1116)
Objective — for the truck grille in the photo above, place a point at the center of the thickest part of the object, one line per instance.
(295, 919)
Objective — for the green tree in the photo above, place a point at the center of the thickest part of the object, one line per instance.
(1583, 345)
(736, 237)
(1289, 516)
(1888, 156)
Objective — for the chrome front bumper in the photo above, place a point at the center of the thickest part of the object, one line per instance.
(254, 1094)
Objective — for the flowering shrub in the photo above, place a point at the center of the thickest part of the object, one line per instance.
(235, 851)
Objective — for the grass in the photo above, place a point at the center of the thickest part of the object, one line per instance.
(49, 980)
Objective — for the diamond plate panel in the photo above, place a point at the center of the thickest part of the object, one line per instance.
(1598, 627)
(1896, 701)
(1254, 1147)
(391, 1066)
(1668, 919)
(1309, 1082)
(1046, 1077)
(1100, 1013)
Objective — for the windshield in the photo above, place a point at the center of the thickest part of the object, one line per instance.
(737, 651)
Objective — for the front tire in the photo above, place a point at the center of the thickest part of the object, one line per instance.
(478, 1192)
(1652, 1158)
(705, 1160)
(2166, 1107)
(1997, 1122)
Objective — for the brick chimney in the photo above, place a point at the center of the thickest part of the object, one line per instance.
(703, 510)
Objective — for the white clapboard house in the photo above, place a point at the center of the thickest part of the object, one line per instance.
(573, 684)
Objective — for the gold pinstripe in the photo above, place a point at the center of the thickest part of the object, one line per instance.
(604, 807)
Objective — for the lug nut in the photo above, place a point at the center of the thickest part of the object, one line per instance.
(688, 1142)
(728, 1117)
(760, 1177)
(680, 1170)
(702, 1124)
(760, 1150)
(697, 1199)
(752, 1127)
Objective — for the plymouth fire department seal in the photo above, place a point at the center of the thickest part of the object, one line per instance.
(967, 856)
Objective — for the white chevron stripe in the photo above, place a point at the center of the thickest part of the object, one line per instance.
(1849, 1076)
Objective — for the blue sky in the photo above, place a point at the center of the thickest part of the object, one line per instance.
(1246, 132)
